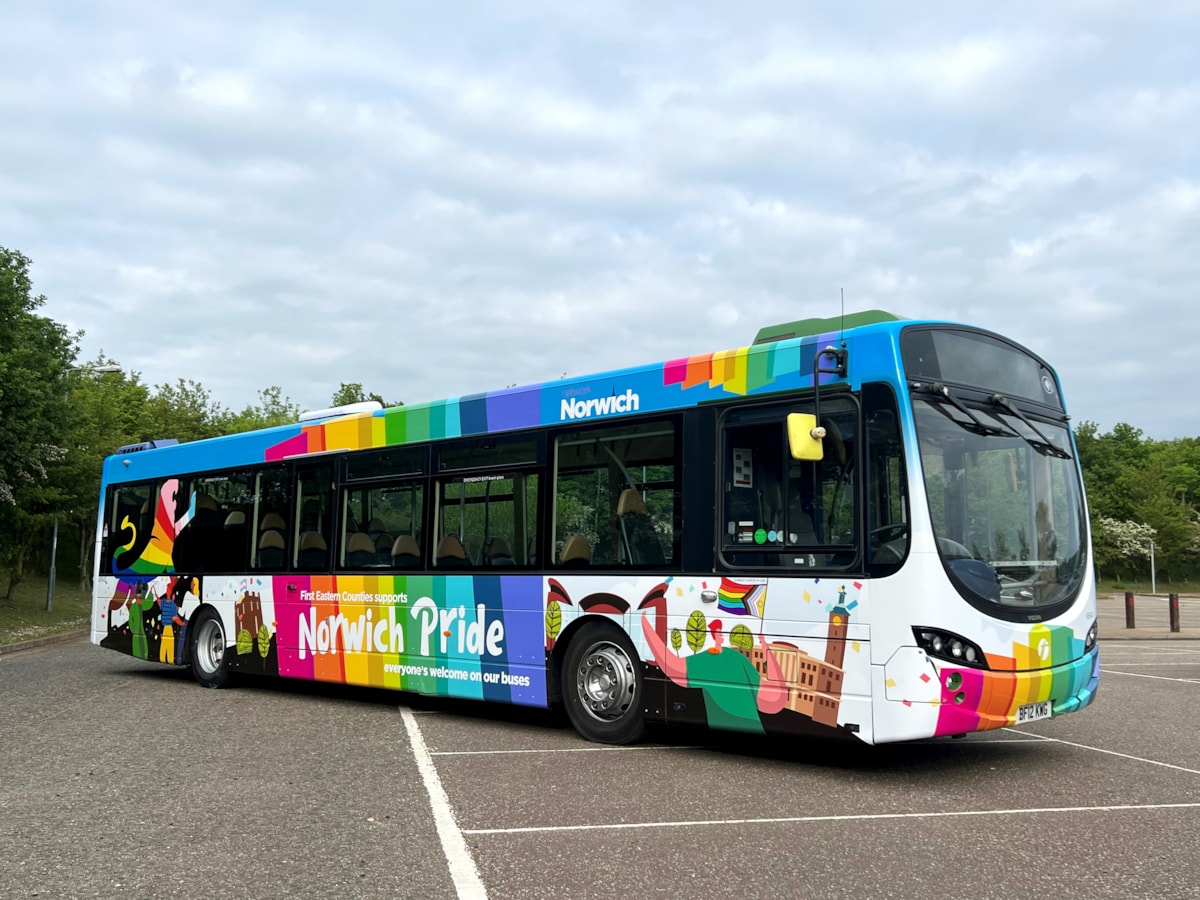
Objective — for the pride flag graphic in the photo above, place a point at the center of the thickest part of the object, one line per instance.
(737, 599)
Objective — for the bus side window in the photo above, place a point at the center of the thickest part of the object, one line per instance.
(313, 530)
(617, 496)
(887, 498)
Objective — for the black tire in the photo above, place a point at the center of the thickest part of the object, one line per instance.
(602, 685)
(206, 649)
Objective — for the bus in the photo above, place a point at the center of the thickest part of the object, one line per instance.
(865, 526)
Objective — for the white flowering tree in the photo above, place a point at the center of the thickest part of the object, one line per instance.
(1121, 545)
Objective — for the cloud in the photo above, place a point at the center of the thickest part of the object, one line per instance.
(437, 204)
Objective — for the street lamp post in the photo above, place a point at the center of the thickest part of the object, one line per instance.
(95, 370)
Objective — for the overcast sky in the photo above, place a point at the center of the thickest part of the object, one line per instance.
(444, 198)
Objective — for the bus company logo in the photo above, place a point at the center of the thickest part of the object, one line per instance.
(1043, 650)
(575, 408)
(365, 634)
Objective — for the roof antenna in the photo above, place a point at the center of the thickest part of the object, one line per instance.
(842, 329)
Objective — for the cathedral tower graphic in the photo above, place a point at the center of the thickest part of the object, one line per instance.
(814, 685)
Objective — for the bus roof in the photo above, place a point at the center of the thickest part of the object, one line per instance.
(775, 363)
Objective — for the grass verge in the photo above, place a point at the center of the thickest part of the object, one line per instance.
(27, 619)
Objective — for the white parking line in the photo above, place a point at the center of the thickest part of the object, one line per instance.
(1147, 665)
(561, 750)
(1155, 677)
(1152, 762)
(863, 817)
(467, 883)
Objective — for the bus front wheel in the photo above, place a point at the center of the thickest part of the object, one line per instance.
(602, 685)
(207, 651)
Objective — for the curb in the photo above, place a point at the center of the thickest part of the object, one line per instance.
(42, 641)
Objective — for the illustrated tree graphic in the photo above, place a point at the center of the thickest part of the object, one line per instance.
(742, 638)
(697, 631)
(245, 643)
(264, 641)
(676, 639)
(553, 619)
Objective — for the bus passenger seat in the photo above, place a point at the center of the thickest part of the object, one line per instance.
(360, 550)
(405, 553)
(270, 550)
(450, 553)
(314, 552)
(642, 545)
(383, 547)
(273, 520)
(576, 553)
(497, 553)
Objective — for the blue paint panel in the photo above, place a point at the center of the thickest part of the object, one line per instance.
(459, 592)
(487, 594)
(473, 414)
(525, 636)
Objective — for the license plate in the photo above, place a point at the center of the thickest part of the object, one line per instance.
(1031, 712)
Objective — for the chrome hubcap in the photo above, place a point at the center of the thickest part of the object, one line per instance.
(606, 681)
(210, 646)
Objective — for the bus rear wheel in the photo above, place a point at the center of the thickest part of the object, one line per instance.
(602, 685)
(207, 650)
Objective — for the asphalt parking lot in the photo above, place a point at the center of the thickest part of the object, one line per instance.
(123, 778)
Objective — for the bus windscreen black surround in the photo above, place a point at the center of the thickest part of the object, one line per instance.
(968, 358)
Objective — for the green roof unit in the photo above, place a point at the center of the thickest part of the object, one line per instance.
(806, 327)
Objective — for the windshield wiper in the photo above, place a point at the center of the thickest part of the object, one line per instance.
(979, 426)
(1048, 445)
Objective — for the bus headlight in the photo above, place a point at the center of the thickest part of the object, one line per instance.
(950, 647)
(1090, 641)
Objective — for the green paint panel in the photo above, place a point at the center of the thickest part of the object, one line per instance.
(395, 426)
(758, 367)
(418, 424)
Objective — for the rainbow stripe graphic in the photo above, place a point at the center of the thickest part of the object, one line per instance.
(737, 599)
(990, 698)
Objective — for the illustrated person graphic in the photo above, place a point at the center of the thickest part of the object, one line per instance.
(139, 604)
(170, 618)
(734, 692)
(179, 592)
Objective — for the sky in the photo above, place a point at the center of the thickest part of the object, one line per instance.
(446, 198)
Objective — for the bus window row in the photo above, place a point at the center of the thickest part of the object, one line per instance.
(615, 502)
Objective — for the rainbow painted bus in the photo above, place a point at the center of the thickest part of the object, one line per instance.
(867, 527)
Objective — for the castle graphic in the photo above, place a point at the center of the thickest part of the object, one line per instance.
(814, 685)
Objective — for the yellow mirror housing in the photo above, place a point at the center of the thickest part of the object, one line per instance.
(805, 437)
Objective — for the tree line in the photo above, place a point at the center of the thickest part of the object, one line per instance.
(60, 417)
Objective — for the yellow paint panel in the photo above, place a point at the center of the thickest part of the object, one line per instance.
(736, 383)
(349, 432)
(722, 368)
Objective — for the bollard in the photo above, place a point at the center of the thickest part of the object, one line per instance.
(1173, 607)
(1129, 609)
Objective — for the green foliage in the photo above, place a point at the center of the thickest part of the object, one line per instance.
(273, 409)
(185, 411)
(1140, 490)
(697, 631)
(353, 392)
(35, 359)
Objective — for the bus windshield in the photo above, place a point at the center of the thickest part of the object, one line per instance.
(1005, 500)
